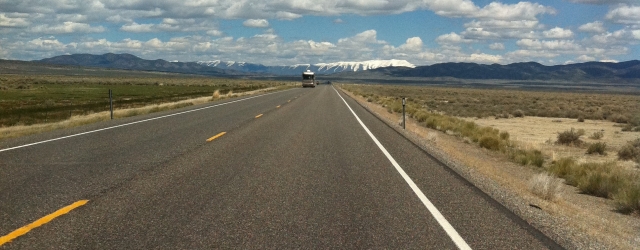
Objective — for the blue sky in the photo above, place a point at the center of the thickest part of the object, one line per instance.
(283, 32)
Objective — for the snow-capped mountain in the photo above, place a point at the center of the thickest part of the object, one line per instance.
(320, 68)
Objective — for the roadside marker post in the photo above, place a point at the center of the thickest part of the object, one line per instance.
(404, 102)
(111, 103)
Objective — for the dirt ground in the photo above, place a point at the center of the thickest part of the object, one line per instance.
(580, 221)
(541, 133)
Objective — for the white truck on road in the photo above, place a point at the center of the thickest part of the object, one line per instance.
(308, 79)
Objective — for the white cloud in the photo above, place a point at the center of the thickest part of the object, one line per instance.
(594, 27)
(8, 21)
(558, 33)
(215, 33)
(502, 24)
(500, 29)
(585, 58)
(338, 20)
(410, 47)
(485, 58)
(256, 23)
(602, 2)
(523, 55)
(138, 28)
(619, 37)
(47, 44)
(283, 15)
(519, 11)
(412, 44)
(564, 45)
(625, 14)
(119, 19)
(78, 18)
(497, 46)
(452, 38)
(66, 28)
(168, 25)
(368, 36)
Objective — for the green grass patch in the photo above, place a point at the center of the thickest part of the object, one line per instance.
(27, 100)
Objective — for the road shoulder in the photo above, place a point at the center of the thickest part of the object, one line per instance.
(564, 221)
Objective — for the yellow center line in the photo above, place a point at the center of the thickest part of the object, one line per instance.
(44, 220)
(258, 116)
(216, 136)
(278, 106)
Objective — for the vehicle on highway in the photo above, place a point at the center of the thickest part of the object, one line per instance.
(308, 79)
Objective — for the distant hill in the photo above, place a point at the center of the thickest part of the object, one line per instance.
(519, 71)
(131, 62)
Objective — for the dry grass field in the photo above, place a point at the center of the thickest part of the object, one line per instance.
(541, 133)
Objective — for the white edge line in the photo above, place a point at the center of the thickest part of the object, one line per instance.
(131, 123)
(453, 234)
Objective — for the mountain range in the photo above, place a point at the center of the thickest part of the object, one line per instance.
(320, 68)
(367, 69)
(131, 62)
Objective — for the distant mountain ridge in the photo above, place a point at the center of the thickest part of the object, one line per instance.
(367, 69)
(520, 71)
(320, 68)
(131, 62)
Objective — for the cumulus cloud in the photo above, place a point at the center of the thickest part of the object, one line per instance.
(67, 27)
(594, 27)
(565, 45)
(585, 58)
(519, 11)
(137, 28)
(619, 37)
(169, 25)
(558, 33)
(625, 14)
(452, 38)
(256, 23)
(497, 46)
(412, 46)
(602, 2)
(9, 21)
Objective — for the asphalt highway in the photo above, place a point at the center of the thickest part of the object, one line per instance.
(301, 168)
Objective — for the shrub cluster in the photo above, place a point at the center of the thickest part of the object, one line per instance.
(570, 137)
(603, 180)
(630, 151)
(527, 157)
(597, 135)
(518, 113)
(597, 148)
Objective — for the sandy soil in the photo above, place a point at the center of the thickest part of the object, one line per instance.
(541, 133)
(574, 220)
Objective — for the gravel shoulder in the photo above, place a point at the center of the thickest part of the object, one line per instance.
(574, 220)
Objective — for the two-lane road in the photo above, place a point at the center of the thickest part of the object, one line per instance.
(294, 169)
